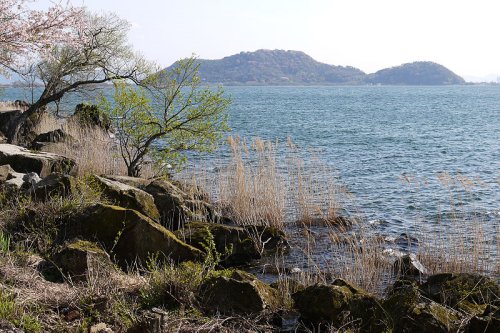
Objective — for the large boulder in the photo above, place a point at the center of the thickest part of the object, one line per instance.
(128, 196)
(24, 161)
(88, 115)
(7, 117)
(470, 293)
(55, 184)
(488, 322)
(234, 243)
(237, 293)
(79, 258)
(339, 304)
(239, 245)
(411, 312)
(128, 235)
(176, 207)
(54, 136)
(140, 183)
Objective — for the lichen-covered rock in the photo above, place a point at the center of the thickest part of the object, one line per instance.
(5, 172)
(487, 322)
(237, 293)
(24, 161)
(140, 183)
(128, 235)
(233, 241)
(177, 207)
(78, 258)
(55, 184)
(410, 312)
(90, 115)
(339, 304)
(128, 196)
(470, 293)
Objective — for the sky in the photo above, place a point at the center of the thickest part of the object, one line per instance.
(367, 34)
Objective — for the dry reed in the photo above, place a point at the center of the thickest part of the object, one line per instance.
(285, 186)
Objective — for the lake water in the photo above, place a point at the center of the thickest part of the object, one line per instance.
(375, 137)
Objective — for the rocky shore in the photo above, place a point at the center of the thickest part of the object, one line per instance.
(107, 253)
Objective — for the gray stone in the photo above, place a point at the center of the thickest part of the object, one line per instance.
(24, 161)
(409, 265)
(128, 236)
(128, 197)
(240, 293)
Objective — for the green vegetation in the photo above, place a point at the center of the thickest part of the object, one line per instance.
(415, 73)
(170, 115)
(275, 67)
(13, 312)
(279, 67)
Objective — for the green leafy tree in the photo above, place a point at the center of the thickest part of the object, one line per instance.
(168, 114)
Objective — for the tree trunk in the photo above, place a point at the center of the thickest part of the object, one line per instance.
(13, 133)
(134, 170)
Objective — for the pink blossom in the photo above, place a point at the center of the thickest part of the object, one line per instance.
(27, 33)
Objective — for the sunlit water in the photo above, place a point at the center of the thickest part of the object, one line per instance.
(394, 148)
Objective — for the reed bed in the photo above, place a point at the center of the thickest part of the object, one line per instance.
(283, 185)
(289, 187)
(94, 150)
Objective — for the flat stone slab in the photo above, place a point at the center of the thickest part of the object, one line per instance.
(25, 161)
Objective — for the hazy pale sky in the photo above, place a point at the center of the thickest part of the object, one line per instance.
(369, 34)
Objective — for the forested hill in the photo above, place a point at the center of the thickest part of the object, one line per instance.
(276, 67)
(279, 67)
(415, 73)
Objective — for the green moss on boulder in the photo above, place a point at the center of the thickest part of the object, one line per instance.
(339, 304)
(463, 291)
(238, 293)
(78, 258)
(128, 235)
(127, 196)
(90, 115)
(409, 311)
(243, 248)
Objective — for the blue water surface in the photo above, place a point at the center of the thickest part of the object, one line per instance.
(375, 137)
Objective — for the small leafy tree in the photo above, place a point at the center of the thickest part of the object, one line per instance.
(169, 114)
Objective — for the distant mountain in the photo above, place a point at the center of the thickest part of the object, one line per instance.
(415, 73)
(276, 67)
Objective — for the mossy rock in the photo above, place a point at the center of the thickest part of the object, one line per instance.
(242, 248)
(127, 196)
(470, 293)
(77, 258)
(171, 203)
(340, 304)
(128, 235)
(409, 311)
(237, 293)
(487, 322)
(55, 184)
(270, 237)
(90, 115)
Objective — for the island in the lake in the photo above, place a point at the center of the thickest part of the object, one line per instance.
(280, 67)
